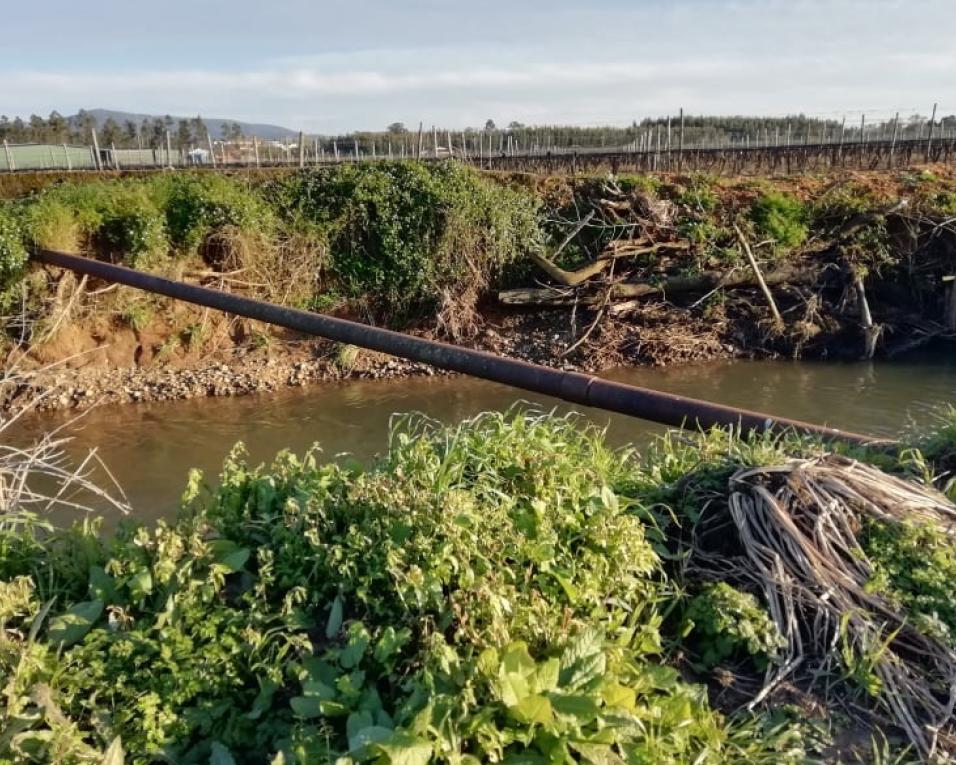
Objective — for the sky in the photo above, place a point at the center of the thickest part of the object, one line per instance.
(328, 67)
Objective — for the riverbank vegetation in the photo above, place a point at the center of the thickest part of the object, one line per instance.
(590, 272)
(506, 590)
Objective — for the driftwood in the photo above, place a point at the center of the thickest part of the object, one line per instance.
(622, 248)
(871, 331)
(704, 282)
(759, 276)
(569, 278)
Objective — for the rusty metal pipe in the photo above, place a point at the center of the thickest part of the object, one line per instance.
(577, 388)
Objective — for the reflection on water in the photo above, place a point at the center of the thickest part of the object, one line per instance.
(150, 447)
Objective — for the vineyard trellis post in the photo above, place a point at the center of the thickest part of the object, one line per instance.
(842, 138)
(896, 130)
(680, 150)
(929, 140)
(6, 150)
(862, 140)
(96, 150)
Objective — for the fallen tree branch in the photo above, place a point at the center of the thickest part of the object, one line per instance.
(569, 278)
(621, 248)
(704, 282)
(855, 224)
(871, 331)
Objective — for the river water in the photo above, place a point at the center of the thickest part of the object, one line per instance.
(150, 447)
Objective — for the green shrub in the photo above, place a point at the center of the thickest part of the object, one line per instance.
(485, 593)
(781, 218)
(838, 204)
(53, 221)
(114, 218)
(13, 256)
(646, 183)
(726, 623)
(944, 202)
(699, 195)
(197, 205)
(401, 233)
(132, 228)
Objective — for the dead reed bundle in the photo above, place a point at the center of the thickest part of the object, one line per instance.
(798, 526)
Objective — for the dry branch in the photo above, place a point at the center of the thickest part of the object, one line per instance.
(704, 282)
(627, 248)
(871, 331)
(759, 276)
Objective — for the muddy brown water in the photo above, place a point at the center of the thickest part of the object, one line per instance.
(151, 447)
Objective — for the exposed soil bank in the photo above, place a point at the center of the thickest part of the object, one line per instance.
(630, 271)
(122, 366)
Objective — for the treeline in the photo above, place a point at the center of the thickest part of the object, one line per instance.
(398, 138)
(150, 133)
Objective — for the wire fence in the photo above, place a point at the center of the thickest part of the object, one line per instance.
(668, 144)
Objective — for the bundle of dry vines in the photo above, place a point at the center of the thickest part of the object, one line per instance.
(798, 527)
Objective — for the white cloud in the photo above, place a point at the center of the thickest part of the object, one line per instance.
(603, 64)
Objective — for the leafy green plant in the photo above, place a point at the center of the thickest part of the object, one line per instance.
(401, 233)
(631, 182)
(838, 204)
(324, 301)
(132, 229)
(945, 202)
(487, 592)
(781, 218)
(52, 222)
(938, 445)
(168, 347)
(725, 623)
(699, 195)
(198, 204)
(347, 356)
(914, 564)
(13, 257)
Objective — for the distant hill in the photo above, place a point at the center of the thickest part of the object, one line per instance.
(213, 125)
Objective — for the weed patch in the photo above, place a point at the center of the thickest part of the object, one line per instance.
(780, 218)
